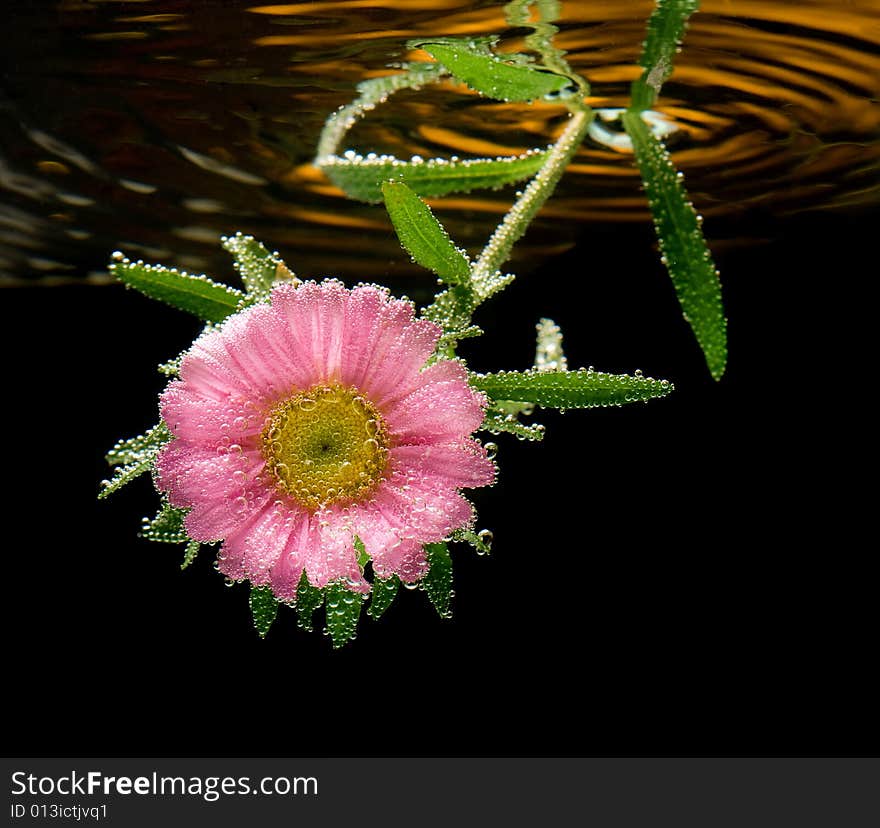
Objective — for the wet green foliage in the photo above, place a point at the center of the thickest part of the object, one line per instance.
(343, 609)
(167, 526)
(361, 178)
(308, 599)
(257, 267)
(383, 594)
(570, 389)
(665, 31)
(683, 247)
(198, 295)
(133, 457)
(422, 236)
(438, 581)
(502, 77)
(264, 609)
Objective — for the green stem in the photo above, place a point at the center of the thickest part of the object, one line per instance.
(541, 39)
(539, 189)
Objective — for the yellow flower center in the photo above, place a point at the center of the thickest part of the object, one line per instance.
(326, 444)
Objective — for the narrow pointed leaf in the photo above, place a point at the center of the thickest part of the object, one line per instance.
(136, 448)
(473, 539)
(362, 555)
(665, 31)
(264, 608)
(498, 422)
(384, 592)
(198, 295)
(189, 554)
(422, 236)
(452, 309)
(257, 267)
(167, 526)
(133, 457)
(171, 368)
(124, 475)
(471, 62)
(438, 580)
(451, 338)
(361, 177)
(343, 611)
(682, 244)
(549, 355)
(570, 389)
(308, 599)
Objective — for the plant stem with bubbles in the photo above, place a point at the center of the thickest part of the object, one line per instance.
(539, 189)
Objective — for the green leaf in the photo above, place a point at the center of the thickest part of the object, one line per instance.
(124, 475)
(171, 368)
(257, 267)
(362, 556)
(570, 389)
(361, 177)
(198, 295)
(682, 244)
(167, 526)
(506, 78)
(450, 339)
(133, 457)
(384, 592)
(549, 355)
(452, 309)
(343, 611)
(665, 31)
(422, 236)
(189, 554)
(483, 545)
(308, 599)
(497, 422)
(438, 580)
(137, 448)
(264, 608)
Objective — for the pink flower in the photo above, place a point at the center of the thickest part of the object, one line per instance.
(305, 422)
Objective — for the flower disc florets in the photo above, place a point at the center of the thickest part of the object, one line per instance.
(326, 444)
(302, 424)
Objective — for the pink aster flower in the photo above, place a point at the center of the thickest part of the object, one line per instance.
(311, 420)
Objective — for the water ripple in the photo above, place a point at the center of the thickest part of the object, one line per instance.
(155, 129)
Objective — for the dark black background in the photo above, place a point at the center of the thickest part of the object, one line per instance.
(682, 577)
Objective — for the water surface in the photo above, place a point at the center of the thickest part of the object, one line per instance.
(157, 126)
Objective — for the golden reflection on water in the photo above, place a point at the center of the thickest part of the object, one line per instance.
(174, 123)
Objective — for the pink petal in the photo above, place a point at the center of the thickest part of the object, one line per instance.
(261, 543)
(330, 554)
(436, 412)
(190, 473)
(412, 564)
(383, 342)
(398, 366)
(206, 370)
(313, 317)
(426, 509)
(285, 575)
(213, 520)
(464, 464)
(209, 422)
(362, 328)
(399, 520)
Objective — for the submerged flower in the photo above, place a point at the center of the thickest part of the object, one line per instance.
(305, 423)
